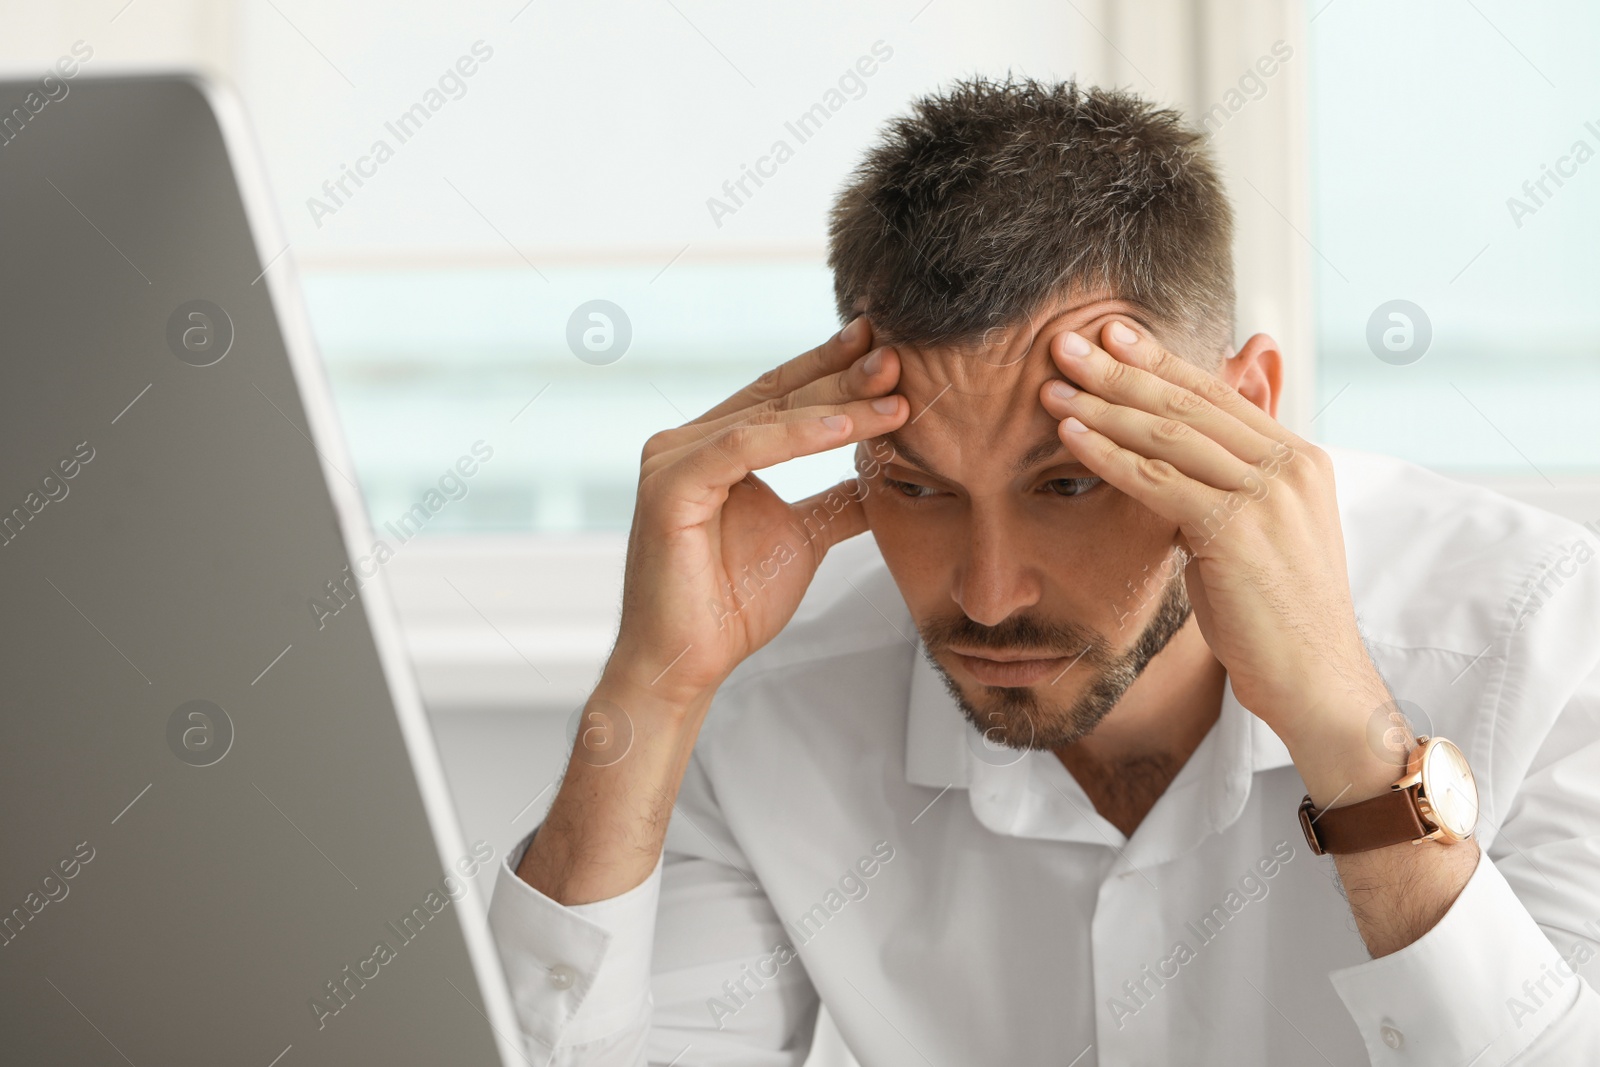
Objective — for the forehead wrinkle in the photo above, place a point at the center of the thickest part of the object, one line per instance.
(956, 363)
(959, 367)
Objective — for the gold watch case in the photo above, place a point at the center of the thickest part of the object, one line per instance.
(1445, 791)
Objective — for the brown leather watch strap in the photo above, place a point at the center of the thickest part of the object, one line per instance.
(1386, 819)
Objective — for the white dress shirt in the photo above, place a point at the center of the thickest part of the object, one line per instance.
(843, 834)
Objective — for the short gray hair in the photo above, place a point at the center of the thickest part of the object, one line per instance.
(992, 197)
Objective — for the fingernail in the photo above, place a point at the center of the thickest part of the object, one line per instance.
(886, 405)
(1074, 345)
(873, 363)
(1074, 425)
(1122, 334)
(835, 422)
(1061, 390)
(852, 333)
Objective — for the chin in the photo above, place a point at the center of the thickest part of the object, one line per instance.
(1038, 716)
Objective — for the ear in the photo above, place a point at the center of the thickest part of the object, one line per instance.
(1256, 370)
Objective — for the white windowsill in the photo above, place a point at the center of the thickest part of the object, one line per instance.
(548, 616)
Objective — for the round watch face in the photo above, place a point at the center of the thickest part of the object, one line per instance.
(1449, 786)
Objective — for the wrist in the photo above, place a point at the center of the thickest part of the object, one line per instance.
(1347, 772)
(1338, 741)
(645, 688)
(606, 825)
(1340, 760)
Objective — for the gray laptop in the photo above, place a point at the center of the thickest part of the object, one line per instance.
(226, 837)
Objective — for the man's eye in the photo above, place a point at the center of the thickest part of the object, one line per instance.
(908, 489)
(1072, 486)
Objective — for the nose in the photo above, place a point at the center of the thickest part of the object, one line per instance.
(995, 577)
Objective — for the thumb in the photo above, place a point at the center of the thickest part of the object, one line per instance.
(833, 515)
(1199, 603)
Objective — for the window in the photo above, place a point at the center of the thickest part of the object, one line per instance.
(1454, 168)
(426, 363)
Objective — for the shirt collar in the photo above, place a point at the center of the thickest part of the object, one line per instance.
(944, 751)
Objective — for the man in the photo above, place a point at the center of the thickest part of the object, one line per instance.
(1021, 780)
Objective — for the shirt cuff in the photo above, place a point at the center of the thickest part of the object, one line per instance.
(577, 973)
(1477, 988)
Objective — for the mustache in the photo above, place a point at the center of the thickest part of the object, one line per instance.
(1021, 633)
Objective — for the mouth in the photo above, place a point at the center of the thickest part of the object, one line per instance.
(1009, 668)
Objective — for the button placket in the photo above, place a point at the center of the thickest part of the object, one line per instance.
(1125, 1029)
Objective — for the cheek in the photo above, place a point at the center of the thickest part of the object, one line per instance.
(916, 547)
(1104, 572)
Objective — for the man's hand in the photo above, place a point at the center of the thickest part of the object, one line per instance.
(1259, 523)
(717, 564)
(1257, 517)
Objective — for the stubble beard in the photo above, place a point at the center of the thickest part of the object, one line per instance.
(1027, 717)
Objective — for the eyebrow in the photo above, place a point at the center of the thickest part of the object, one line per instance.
(1043, 450)
(1047, 447)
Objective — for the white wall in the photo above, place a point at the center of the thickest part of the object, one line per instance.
(593, 130)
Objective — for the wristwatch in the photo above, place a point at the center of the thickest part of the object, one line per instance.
(1437, 800)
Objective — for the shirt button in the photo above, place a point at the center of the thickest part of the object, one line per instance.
(1392, 1037)
(562, 976)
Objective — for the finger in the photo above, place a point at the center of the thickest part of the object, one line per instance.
(702, 472)
(833, 515)
(1191, 451)
(873, 375)
(1155, 483)
(1134, 345)
(1098, 372)
(888, 411)
(834, 354)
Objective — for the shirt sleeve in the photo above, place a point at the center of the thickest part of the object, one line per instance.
(579, 974)
(1485, 986)
(1501, 978)
(690, 967)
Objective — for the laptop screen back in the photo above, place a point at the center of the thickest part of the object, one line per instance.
(225, 837)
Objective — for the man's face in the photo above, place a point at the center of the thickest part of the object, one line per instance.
(1040, 591)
